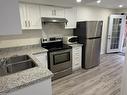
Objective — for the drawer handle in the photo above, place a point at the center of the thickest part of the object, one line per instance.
(25, 23)
(29, 23)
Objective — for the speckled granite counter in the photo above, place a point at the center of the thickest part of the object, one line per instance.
(76, 45)
(7, 52)
(24, 78)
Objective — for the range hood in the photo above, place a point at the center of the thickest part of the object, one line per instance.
(53, 20)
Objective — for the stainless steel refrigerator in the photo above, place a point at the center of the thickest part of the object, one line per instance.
(89, 34)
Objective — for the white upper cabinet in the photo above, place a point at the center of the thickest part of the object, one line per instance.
(70, 15)
(30, 16)
(9, 17)
(23, 15)
(49, 11)
(46, 11)
(59, 12)
(34, 16)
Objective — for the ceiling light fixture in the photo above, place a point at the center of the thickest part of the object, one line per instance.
(78, 1)
(98, 1)
(120, 6)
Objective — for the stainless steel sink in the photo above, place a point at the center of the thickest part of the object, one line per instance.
(15, 59)
(15, 64)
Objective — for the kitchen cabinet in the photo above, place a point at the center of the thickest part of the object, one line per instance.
(9, 17)
(42, 57)
(40, 88)
(76, 56)
(30, 16)
(23, 15)
(70, 15)
(53, 12)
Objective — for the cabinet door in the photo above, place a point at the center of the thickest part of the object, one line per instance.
(49, 11)
(58, 12)
(40, 88)
(70, 15)
(34, 17)
(23, 15)
(42, 57)
(46, 11)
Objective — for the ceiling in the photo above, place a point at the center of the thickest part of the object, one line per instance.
(70, 3)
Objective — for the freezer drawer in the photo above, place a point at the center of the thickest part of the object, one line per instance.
(92, 53)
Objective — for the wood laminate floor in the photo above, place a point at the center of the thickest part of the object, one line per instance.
(102, 80)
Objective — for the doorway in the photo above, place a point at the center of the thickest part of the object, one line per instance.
(116, 34)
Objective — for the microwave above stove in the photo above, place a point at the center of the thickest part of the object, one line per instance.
(70, 39)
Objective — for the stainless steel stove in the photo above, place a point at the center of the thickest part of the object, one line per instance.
(59, 58)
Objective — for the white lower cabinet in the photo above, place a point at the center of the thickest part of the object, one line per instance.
(42, 57)
(76, 57)
(41, 88)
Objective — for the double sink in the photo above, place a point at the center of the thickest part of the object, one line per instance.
(15, 64)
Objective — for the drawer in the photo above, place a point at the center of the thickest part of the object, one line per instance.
(77, 51)
(76, 57)
(77, 48)
(77, 61)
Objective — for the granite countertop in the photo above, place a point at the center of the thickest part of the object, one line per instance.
(27, 77)
(33, 49)
(76, 45)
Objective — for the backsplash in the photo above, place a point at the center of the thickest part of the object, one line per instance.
(55, 30)
(25, 35)
(31, 37)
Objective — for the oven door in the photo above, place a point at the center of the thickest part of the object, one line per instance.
(60, 60)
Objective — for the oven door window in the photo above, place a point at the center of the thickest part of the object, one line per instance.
(61, 58)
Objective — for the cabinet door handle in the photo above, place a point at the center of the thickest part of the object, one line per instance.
(29, 23)
(25, 23)
(55, 12)
(52, 12)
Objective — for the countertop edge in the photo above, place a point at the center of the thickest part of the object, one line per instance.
(26, 85)
(76, 45)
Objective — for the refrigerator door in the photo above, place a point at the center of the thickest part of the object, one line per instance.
(94, 29)
(89, 29)
(91, 53)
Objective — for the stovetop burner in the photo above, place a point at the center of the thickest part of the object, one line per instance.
(55, 46)
(60, 48)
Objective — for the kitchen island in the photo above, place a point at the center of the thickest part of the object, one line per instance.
(32, 81)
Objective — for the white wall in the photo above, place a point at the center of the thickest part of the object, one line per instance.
(86, 13)
(120, 10)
